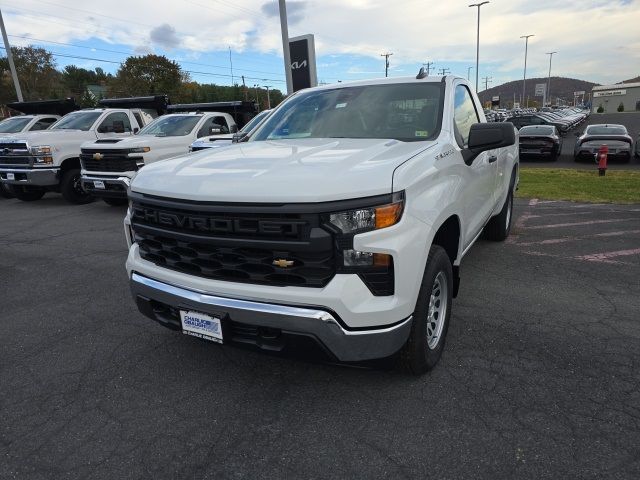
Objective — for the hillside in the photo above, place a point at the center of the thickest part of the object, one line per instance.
(560, 87)
(632, 80)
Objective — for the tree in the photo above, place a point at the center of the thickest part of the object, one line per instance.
(36, 72)
(148, 75)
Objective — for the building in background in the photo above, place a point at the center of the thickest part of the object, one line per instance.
(607, 98)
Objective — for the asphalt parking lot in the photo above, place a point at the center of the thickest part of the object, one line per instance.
(539, 378)
(631, 120)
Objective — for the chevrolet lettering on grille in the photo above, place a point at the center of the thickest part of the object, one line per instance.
(201, 223)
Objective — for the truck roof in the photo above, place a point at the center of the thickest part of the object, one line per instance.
(391, 80)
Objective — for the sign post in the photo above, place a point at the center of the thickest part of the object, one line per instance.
(541, 91)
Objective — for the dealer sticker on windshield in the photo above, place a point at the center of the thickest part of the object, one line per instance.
(201, 325)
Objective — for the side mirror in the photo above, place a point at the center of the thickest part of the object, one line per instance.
(488, 136)
(240, 137)
(135, 130)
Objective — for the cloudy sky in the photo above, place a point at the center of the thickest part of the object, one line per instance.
(596, 40)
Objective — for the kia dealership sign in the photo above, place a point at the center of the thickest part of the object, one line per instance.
(303, 62)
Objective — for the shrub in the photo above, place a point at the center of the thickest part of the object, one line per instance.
(600, 109)
(621, 107)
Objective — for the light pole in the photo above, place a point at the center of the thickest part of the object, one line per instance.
(12, 67)
(478, 39)
(524, 79)
(469, 72)
(549, 79)
(268, 97)
(284, 30)
(255, 85)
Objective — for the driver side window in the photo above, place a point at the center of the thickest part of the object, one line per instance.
(117, 122)
(464, 115)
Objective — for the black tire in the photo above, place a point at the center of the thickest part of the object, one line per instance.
(418, 356)
(71, 188)
(27, 193)
(499, 226)
(115, 202)
(5, 191)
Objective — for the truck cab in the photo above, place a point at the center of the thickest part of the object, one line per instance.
(342, 222)
(35, 116)
(108, 165)
(33, 163)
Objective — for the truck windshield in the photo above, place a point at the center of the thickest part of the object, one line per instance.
(408, 112)
(255, 121)
(171, 126)
(77, 121)
(14, 125)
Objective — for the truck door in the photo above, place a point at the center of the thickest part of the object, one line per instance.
(478, 196)
(115, 124)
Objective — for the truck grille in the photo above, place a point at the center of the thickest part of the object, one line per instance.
(10, 160)
(113, 161)
(264, 248)
(14, 154)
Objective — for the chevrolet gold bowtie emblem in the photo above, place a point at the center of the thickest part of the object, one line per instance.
(97, 156)
(282, 263)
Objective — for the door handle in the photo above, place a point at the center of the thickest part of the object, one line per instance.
(492, 158)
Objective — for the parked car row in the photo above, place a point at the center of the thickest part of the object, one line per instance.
(95, 152)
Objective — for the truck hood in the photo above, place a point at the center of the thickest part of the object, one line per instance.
(55, 138)
(284, 171)
(138, 141)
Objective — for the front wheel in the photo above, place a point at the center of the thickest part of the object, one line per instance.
(499, 226)
(27, 193)
(5, 191)
(431, 316)
(71, 188)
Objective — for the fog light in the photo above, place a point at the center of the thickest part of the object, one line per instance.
(354, 258)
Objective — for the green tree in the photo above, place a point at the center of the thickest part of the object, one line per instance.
(148, 75)
(37, 74)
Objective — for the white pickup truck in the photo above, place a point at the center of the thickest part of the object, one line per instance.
(33, 163)
(36, 116)
(341, 223)
(109, 164)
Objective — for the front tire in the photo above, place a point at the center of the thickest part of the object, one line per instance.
(431, 316)
(499, 226)
(5, 191)
(71, 188)
(27, 193)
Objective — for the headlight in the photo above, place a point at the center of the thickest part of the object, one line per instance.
(140, 150)
(41, 150)
(367, 219)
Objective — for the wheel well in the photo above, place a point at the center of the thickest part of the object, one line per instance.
(70, 163)
(448, 237)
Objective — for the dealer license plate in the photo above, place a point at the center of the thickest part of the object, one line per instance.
(98, 184)
(11, 176)
(201, 325)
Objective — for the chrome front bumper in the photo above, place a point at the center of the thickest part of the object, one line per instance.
(115, 187)
(161, 302)
(34, 176)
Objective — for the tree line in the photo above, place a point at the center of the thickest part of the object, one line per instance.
(40, 79)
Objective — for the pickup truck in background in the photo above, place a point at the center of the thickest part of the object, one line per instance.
(33, 163)
(35, 116)
(109, 164)
(215, 141)
(341, 224)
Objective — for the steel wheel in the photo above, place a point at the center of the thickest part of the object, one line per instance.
(437, 310)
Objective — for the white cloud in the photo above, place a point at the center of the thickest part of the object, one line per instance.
(595, 39)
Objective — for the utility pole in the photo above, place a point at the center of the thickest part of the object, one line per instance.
(12, 67)
(284, 30)
(257, 98)
(244, 89)
(428, 65)
(268, 97)
(444, 71)
(386, 62)
(487, 81)
(524, 79)
(548, 93)
(231, 64)
(478, 40)
(469, 72)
